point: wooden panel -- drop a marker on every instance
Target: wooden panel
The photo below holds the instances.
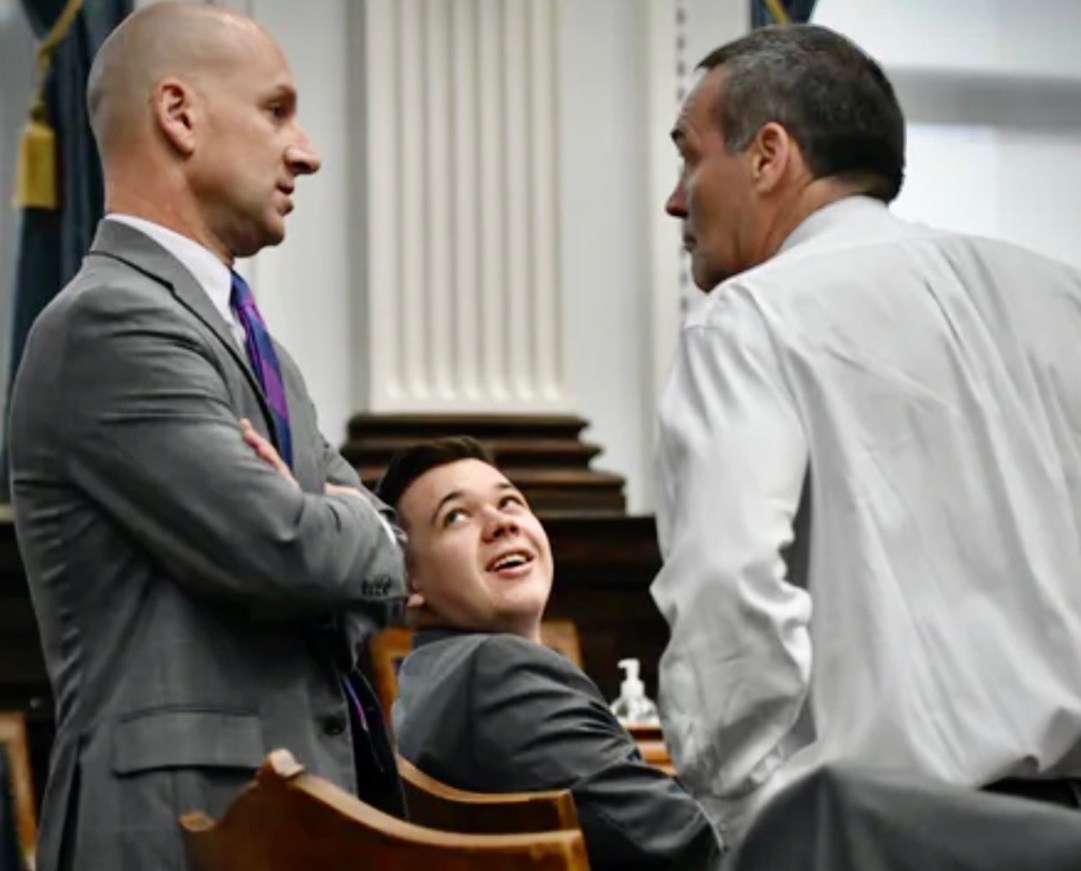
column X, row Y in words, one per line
column 542, row 454
column 14, row 746
column 24, row 683
column 650, row 741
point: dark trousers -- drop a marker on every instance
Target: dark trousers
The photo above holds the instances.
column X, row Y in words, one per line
column 1063, row 791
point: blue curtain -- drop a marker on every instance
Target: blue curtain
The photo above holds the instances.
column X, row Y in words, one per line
column 52, row 242
column 765, row 12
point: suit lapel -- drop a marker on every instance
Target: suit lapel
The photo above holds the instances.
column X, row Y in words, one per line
column 126, row 244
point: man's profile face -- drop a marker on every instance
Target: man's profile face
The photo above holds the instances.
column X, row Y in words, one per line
column 251, row 147
column 476, row 551
column 714, row 195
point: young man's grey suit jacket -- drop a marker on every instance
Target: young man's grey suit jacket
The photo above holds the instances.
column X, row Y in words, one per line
column 499, row 713
column 196, row 610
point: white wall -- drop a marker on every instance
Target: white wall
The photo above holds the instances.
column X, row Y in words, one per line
column 602, row 196
column 614, row 148
column 992, row 93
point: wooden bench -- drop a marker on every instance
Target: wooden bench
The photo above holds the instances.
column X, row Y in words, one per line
column 287, row 820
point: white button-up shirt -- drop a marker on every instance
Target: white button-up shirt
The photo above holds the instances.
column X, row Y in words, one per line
column 870, row 514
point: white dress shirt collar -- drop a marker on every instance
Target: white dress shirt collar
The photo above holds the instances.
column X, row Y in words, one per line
column 213, row 276
column 839, row 215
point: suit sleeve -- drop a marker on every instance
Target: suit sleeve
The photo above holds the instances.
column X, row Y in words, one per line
column 338, row 471
column 153, row 439
column 540, row 724
column 732, row 462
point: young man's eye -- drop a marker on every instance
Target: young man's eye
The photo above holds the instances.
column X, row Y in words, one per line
column 512, row 500
column 453, row 516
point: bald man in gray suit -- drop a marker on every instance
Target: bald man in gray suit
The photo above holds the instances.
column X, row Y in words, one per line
column 196, row 609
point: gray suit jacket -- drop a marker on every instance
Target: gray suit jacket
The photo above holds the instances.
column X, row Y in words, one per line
column 195, row 609
column 499, row 713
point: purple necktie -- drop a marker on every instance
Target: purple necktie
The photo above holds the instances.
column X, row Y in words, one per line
column 355, row 701
column 264, row 361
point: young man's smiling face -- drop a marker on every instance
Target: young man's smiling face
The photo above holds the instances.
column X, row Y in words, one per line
column 476, row 552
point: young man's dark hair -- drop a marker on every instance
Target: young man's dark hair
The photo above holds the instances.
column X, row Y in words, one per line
column 409, row 464
column 832, row 98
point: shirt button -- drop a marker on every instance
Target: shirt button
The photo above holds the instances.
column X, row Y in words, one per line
column 334, row 724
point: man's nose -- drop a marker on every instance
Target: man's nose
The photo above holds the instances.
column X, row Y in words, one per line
column 302, row 156
column 677, row 202
column 498, row 524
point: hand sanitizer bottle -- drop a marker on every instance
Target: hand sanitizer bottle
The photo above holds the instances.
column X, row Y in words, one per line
column 632, row 706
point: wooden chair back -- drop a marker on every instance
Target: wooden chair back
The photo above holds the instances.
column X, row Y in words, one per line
column 386, row 651
column 436, row 805
column 389, row 647
column 562, row 637
column 287, row 820
column 14, row 747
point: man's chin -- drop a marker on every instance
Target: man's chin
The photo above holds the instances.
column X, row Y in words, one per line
column 274, row 232
column 707, row 276
column 707, row 282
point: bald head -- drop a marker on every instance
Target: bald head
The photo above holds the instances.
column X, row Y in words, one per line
column 183, row 40
column 194, row 108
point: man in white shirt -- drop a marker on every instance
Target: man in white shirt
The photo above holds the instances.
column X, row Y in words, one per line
column 869, row 461
column 196, row 609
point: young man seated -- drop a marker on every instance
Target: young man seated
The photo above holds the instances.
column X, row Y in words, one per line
column 482, row 704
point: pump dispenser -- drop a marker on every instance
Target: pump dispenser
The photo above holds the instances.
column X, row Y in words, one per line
column 632, row 706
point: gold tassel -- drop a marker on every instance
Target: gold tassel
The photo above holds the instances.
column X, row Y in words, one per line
column 35, row 172
column 777, row 12
column 35, row 175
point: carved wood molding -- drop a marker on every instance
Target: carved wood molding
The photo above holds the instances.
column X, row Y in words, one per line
column 542, row 454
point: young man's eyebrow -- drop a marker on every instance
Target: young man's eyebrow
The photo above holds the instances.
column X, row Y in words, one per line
column 452, row 495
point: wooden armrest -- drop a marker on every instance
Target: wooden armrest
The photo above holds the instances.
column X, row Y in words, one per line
column 435, row 804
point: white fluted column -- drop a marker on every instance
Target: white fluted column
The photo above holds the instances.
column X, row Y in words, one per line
column 455, row 211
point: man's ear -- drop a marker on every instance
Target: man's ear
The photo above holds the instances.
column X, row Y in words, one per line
column 415, row 595
column 175, row 113
column 771, row 154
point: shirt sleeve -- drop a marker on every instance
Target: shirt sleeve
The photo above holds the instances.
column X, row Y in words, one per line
column 732, row 461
